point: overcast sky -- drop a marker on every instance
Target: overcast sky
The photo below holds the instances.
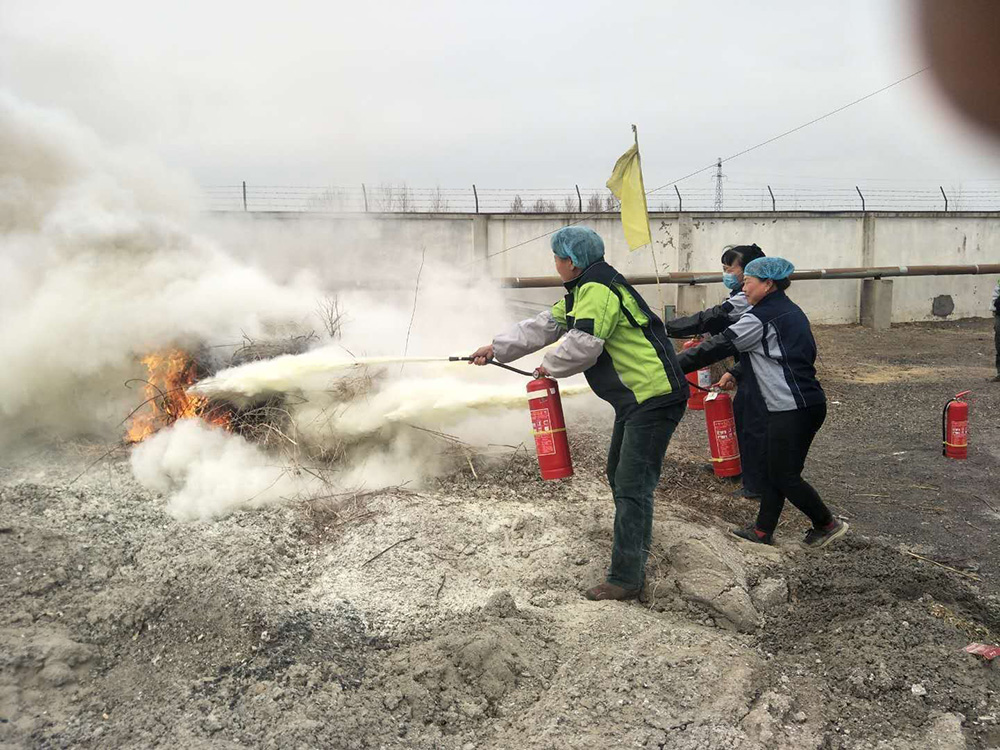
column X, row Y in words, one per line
column 512, row 94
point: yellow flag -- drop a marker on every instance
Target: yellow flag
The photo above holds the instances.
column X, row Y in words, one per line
column 626, row 183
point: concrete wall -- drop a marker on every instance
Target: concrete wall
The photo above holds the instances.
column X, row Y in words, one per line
column 961, row 239
column 519, row 246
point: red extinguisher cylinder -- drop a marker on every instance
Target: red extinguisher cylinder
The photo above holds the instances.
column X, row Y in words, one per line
column 722, row 441
column 549, row 426
column 955, row 427
column 702, row 378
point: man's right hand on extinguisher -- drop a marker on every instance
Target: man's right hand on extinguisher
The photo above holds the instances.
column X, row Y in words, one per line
column 482, row 356
column 727, row 382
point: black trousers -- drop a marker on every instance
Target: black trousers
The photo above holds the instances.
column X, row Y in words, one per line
column 789, row 436
column 751, row 433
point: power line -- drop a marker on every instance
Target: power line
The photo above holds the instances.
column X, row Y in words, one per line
column 730, row 158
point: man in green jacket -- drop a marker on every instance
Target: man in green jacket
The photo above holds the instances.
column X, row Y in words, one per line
column 609, row 333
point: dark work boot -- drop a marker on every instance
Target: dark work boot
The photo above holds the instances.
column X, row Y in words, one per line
column 608, row 591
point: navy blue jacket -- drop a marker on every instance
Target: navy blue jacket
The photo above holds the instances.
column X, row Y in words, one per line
column 780, row 348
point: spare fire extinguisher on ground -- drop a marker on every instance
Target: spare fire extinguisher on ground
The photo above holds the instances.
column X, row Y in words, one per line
column 722, row 442
column 547, row 423
column 700, row 381
column 955, row 427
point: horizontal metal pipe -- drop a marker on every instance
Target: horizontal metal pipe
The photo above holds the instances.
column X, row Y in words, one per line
column 697, row 277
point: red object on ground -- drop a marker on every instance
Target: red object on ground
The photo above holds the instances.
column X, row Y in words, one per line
column 983, row 650
column 722, row 442
column 955, row 427
column 702, row 377
column 551, row 442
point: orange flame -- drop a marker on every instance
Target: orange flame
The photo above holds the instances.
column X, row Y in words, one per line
column 170, row 373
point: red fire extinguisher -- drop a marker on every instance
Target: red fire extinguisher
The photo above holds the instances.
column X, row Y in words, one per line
column 955, row 427
column 722, row 442
column 551, row 443
column 701, row 379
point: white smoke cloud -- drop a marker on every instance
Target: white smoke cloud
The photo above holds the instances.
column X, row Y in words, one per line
column 99, row 267
column 104, row 258
column 206, row 472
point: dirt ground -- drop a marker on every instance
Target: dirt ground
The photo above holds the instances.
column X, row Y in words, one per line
column 453, row 617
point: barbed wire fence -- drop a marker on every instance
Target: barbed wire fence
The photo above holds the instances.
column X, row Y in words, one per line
column 984, row 195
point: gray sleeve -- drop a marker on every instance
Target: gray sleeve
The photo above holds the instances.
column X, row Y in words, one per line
column 578, row 351
column 746, row 333
column 526, row 337
column 740, row 305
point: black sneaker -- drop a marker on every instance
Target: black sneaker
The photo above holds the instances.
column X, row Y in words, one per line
column 751, row 534
column 818, row 538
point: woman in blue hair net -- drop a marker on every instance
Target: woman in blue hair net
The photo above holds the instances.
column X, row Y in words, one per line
column 779, row 354
column 607, row 331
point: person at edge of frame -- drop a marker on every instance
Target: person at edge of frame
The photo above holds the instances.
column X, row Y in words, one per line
column 780, row 355
column 996, row 328
column 607, row 331
column 748, row 407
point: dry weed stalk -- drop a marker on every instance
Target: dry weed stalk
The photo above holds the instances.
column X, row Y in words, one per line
column 332, row 316
column 253, row 351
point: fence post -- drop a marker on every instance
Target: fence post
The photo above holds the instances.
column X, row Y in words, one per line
column 862, row 198
column 364, row 194
column 774, row 206
column 579, row 197
column 244, row 195
column 476, row 196
column 680, row 201
column 945, row 196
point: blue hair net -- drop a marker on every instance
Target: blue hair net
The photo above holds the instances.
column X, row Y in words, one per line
column 581, row 245
column 769, row 268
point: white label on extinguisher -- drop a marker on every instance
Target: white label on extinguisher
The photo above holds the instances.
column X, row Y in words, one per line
column 725, row 439
column 958, row 434
column 704, row 378
column 545, row 443
column 545, row 393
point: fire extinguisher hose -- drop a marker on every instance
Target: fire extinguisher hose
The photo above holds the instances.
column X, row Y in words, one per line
column 498, row 364
column 531, row 374
column 944, row 427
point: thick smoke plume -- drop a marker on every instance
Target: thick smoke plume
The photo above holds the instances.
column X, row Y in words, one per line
column 105, row 257
column 98, row 267
column 206, row 472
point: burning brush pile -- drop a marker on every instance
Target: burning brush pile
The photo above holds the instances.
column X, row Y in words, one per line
column 169, row 375
column 279, row 420
column 169, row 393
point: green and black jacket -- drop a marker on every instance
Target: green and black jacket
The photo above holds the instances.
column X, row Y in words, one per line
column 610, row 334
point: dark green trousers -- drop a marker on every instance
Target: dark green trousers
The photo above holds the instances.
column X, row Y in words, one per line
column 634, row 462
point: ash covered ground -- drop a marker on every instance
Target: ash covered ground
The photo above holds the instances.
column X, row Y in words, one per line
column 452, row 617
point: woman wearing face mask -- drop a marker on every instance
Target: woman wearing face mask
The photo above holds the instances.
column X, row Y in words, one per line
column 751, row 418
column 779, row 355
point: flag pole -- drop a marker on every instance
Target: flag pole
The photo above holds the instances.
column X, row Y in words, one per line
column 652, row 251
